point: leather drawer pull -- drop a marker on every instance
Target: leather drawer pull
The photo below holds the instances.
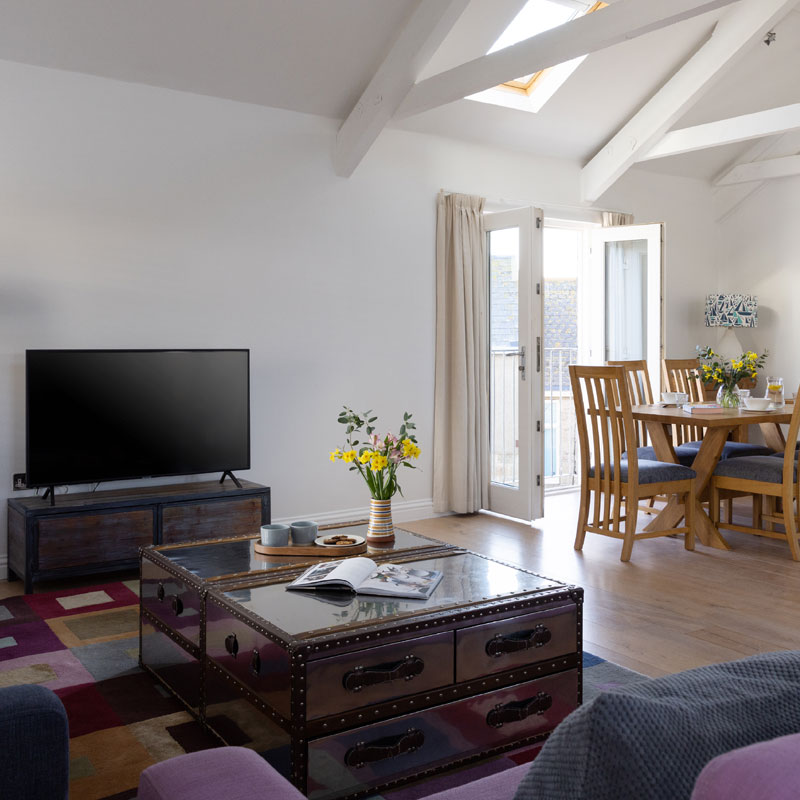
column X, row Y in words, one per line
column 232, row 644
column 514, row 642
column 160, row 592
column 255, row 662
column 518, row 710
column 407, row 669
column 177, row 605
column 381, row 749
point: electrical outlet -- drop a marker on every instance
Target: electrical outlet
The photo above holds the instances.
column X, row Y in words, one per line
column 19, row 481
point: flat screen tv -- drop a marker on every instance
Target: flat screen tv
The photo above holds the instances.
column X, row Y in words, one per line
column 104, row 415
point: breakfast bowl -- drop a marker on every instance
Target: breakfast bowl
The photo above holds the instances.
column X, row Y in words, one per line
column 757, row 403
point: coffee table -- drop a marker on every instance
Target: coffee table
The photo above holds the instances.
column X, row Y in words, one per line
column 351, row 694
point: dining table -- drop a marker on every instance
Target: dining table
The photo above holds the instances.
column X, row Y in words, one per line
column 719, row 426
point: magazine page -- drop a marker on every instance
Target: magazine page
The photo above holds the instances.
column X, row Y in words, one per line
column 400, row 581
column 347, row 574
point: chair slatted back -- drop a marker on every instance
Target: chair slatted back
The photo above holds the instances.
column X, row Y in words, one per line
column 790, row 453
column 680, row 375
column 605, row 432
column 640, row 391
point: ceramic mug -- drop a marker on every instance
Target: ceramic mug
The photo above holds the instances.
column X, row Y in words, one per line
column 275, row 535
column 304, row 531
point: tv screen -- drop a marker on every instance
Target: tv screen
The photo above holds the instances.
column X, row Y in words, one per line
column 101, row 415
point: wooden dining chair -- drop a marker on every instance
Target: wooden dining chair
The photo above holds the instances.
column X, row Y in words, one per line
column 774, row 476
column 611, row 481
column 680, row 375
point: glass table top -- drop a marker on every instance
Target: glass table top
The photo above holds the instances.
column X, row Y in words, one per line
column 467, row 578
column 224, row 558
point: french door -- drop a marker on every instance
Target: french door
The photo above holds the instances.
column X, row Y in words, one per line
column 514, row 252
column 622, row 300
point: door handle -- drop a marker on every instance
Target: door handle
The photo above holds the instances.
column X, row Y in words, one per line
column 521, row 366
column 538, row 353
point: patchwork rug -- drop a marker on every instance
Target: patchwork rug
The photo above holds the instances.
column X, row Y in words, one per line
column 83, row 644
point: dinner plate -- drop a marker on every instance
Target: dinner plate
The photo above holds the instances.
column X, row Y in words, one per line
column 322, row 543
column 759, row 411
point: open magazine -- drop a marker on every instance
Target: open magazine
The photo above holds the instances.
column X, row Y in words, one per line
column 364, row 576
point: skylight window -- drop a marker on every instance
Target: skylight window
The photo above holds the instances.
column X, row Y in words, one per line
column 531, row 92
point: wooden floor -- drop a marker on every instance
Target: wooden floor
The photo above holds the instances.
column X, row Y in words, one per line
column 666, row 610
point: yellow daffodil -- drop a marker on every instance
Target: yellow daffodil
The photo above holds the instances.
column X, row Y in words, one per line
column 348, row 456
column 337, row 453
column 378, row 462
column 365, row 456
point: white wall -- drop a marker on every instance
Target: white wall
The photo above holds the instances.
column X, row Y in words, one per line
column 759, row 254
column 138, row 217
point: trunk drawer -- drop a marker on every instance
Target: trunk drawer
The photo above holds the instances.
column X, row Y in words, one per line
column 172, row 601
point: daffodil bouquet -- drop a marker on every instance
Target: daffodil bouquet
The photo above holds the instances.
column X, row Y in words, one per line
column 377, row 458
column 717, row 370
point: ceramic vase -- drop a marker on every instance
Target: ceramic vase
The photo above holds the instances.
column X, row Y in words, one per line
column 380, row 530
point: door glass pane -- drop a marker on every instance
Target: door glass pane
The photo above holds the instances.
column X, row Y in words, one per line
column 626, row 300
column 503, row 247
column 562, row 256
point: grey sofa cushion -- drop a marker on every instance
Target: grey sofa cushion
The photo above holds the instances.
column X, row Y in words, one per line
column 650, row 740
column 652, row 472
column 753, row 468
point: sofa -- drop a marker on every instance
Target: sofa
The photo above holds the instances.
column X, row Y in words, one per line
column 34, row 744
column 723, row 732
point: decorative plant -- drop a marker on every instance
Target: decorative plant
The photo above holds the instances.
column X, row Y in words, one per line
column 377, row 458
column 717, row 370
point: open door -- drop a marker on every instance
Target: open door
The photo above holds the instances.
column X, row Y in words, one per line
column 514, row 251
column 623, row 305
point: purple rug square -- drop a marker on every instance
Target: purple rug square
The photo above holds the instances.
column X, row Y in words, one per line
column 13, row 611
column 28, row 639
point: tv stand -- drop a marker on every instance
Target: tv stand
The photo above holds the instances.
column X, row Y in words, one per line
column 229, row 474
column 94, row 532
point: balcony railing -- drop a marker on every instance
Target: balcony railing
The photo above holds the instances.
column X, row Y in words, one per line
column 504, row 416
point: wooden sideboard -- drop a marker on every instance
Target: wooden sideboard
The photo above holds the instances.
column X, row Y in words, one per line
column 102, row 531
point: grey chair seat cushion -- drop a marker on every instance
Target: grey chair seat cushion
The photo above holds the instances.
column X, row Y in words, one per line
column 767, row 469
column 685, row 455
column 650, row 740
column 734, row 449
column 652, row 472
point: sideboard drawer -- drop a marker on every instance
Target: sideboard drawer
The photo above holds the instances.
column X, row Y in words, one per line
column 68, row 541
column 211, row 520
column 171, row 601
column 509, row 643
column 365, row 677
column 375, row 754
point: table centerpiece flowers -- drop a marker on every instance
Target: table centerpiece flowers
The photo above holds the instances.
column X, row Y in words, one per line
column 719, row 371
column 377, row 459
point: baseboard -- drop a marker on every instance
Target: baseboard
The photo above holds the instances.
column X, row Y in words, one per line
column 3, row 568
column 402, row 511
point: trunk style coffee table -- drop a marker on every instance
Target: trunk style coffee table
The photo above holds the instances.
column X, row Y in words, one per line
column 350, row 694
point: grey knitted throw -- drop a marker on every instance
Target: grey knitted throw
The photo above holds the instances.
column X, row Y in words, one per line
column 650, row 740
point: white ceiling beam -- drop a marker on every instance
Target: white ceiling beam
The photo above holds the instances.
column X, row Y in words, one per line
column 726, row 131
column 727, row 198
column 763, row 170
column 738, row 29
column 625, row 19
column 417, row 42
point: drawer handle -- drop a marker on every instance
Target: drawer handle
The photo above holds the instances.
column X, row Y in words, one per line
column 177, row 605
column 407, row 669
column 255, row 662
column 232, row 644
column 387, row 747
column 518, row 710
column 505, row 643
column 160, row 592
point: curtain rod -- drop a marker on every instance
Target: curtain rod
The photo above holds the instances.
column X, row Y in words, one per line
column 555, row 206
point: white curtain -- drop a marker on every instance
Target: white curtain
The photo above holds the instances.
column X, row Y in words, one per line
column 613, row 218
column 461, row 399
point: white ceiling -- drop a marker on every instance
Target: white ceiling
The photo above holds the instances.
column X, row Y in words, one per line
column 317, row 56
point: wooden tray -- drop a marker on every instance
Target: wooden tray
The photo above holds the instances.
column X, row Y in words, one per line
column 310, row 550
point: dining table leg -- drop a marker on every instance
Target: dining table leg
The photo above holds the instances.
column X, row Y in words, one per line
column 704, row 464
column 773, row 436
